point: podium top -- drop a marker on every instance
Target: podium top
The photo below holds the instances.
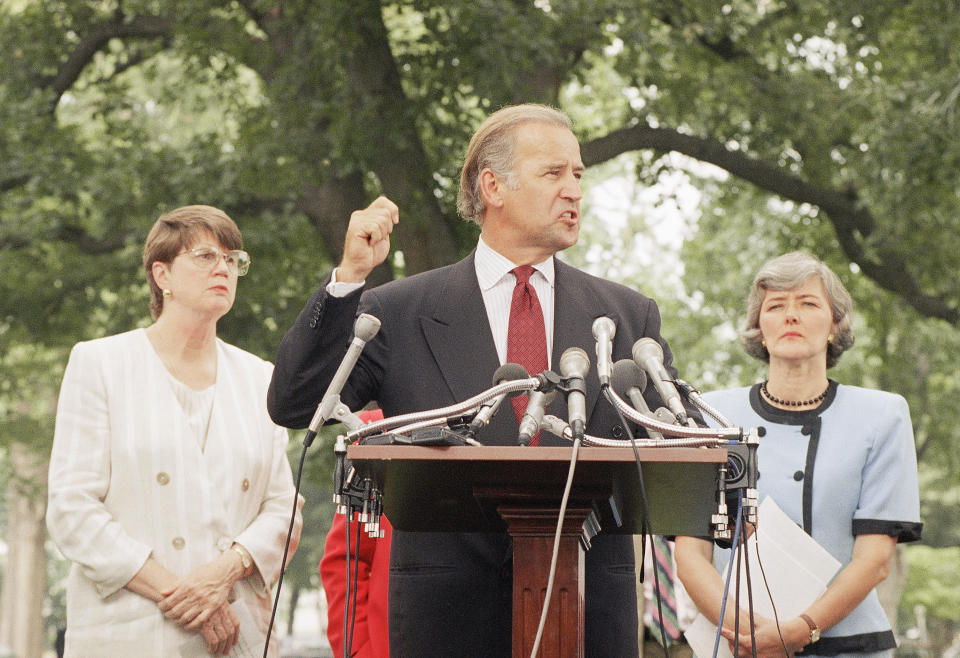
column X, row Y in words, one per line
column 447, row 488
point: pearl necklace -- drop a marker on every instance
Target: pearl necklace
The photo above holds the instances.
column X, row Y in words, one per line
column 791, row 403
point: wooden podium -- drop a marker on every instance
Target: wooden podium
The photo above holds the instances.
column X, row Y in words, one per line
column 518, row 490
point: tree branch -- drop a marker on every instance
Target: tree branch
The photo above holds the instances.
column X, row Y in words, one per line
column 852, row 221
column 96, row 38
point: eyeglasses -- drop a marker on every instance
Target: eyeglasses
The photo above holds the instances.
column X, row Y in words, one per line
column 237, row 260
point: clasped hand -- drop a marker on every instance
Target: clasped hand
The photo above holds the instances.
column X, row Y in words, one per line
column 199, row 602
column 767, row 636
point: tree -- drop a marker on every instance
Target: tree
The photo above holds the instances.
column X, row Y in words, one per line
column 831, row 123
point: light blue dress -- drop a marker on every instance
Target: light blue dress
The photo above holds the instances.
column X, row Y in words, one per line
column 847, row 468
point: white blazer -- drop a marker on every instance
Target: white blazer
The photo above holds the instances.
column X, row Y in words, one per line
column 127, row 481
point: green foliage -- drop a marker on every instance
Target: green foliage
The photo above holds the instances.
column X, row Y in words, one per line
column 829, row 126
column 933, row 581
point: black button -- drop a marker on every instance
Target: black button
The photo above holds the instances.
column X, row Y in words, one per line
column 617, row 431
column 806, row 431
column 761, row 431
column 313, row 324
column 798, row 476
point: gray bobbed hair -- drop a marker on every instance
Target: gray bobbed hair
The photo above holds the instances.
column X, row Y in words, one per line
column 787, row 272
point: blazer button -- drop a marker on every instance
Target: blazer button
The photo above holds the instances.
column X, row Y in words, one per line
column 163, row 478
column 178, row 543
column 245, row 484
column 798, row 476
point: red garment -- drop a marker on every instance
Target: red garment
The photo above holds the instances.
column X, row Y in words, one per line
column 370, row 635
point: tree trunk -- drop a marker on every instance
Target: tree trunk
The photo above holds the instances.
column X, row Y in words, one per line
column 24, row 577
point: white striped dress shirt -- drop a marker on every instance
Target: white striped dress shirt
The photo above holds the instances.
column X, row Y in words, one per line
column 497, row 284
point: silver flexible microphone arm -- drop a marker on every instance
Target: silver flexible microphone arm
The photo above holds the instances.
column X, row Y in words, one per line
column 721, row 435
column 692, row 394
column 471, row 404
column 562, row 429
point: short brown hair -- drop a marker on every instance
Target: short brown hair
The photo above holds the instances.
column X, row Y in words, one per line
column 177, row 230
column 785, row 273
column 492, row 146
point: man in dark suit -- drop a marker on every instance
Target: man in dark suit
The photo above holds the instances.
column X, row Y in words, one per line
column 443, row 334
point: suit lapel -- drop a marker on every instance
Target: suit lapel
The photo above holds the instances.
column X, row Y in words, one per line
column 575, row 309
column 458, row 333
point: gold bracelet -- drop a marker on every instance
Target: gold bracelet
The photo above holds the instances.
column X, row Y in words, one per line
column 244, row 558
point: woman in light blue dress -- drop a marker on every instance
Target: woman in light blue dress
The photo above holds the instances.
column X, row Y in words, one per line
column 839, row 460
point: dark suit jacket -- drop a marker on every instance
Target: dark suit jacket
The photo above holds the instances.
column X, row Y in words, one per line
column 450, row 594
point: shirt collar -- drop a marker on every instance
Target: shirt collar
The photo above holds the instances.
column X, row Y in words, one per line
column 492, row 266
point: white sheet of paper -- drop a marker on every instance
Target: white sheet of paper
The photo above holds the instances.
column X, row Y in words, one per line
column 249, row 644
column 797, row 570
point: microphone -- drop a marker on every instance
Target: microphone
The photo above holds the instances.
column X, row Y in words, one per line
column 364, row 328
column 603, row 332
column 504, row 373
column 648, row 354
column 629, row 380
column 533, row 415
column 574, row 365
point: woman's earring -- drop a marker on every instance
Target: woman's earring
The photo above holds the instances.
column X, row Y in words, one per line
column 764, row 343
column 830, row 338
column 167, row 293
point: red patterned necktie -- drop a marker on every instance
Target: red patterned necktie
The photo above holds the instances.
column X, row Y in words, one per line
column 526, row 336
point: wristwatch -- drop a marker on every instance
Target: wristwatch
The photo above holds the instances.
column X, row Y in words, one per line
column 814, row 629
column 245, row 560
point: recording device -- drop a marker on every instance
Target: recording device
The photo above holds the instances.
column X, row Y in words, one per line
column 574, row 365
column 648, row 354
column 603, row 332
column 533, row 415
column 364, row 329
column 504, row 373
column 628, row 380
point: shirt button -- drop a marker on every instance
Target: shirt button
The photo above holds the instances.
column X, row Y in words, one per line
column 224, row 543
column 163, row 478
column 179, row 543
column 245, row 484
column 798, row 476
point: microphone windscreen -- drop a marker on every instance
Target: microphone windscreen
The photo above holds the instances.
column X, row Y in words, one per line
column 604, row 326
column 625, row 375
column 366, row 326
column 509, row 371
column 647, row 348
column 574, row 362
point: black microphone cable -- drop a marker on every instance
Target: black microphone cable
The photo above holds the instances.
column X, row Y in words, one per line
column 734, row 552
column 647, row 525
column 773, row 605
column 352, row 585
column 286, row 549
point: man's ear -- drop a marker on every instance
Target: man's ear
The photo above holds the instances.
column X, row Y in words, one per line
column 490, row 188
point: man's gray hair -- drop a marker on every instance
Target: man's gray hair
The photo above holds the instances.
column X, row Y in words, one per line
column 492, row 147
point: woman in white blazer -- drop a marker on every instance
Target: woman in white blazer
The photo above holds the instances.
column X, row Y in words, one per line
column 170, row 489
